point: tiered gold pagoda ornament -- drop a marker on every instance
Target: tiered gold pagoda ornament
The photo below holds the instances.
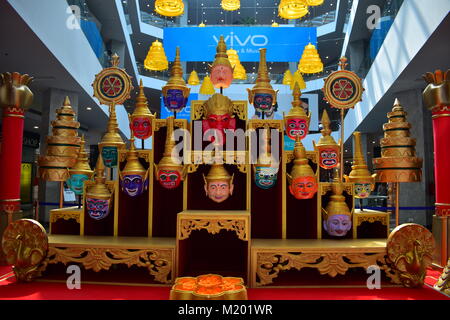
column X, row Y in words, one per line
column 314, row 2
column 297, row 77
column 360, row 175
column 327, row 147
column 342, row 90
column 230, row 5
column 207, row 87
column 80, row 172
column 98, row 195
column 398, row 162
column 262, row 95
column 62, row 146
column 133, row 177
column 193, row 78
column 156, row 59
column 112, row 86
column 287, row 77
column 292, row 9
column 141, row 119
column 337, row 217
column 169, row 8
column 302, row 180
column 297, row 121
column 169, row 172
column 221, row 69
column 176, row 92
column 238, row 68
column 310, row 61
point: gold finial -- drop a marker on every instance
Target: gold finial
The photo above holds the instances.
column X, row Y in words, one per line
column 262, row 83
column 112, row 136
column 176, row 80
column 99, row 190
column 359, row 172
column 168, row 157
column 343, row 63
column 301, row 166
column 221, row 57
column 266, row 159
column 141, row 109
column 326, row 139
column 115, row 60
column 82, row 164
column 66, row 102
column 133, row 165
column 297, row 110
column 296, row 93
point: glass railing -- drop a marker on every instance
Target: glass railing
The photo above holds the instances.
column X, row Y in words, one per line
column 88, row 24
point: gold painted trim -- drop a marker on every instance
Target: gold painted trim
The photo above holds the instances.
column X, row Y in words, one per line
column 442, row 204
column 10, row 200
column 13, row 115
column 440, row 115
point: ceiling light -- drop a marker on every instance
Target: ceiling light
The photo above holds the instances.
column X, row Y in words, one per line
column 88, row 108
column 36, row 127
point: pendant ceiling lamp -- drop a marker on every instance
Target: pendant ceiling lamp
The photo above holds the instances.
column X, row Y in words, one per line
column 310, row 61
column 239, row 70
column 169, row 8
column 314, row 2
column 292, row 9
column 193, row 79
column 230, row 5
column 207, row 86
column 297, row 78
column 156, row 58
column 287, row 78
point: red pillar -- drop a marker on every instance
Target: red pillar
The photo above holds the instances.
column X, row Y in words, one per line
column 436, row 98
column 15, row 96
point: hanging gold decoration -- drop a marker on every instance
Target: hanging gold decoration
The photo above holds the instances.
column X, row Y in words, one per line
column 310, row 61
column 238, row 69
column 287, row 78
column 297, row 77
column 207, row 87
column 230, row 5
column 314, row 2
column 275, row 24
column 156, row 58
column 193, row 79
column 169, row 8
column 201, row 25
column 292, row 9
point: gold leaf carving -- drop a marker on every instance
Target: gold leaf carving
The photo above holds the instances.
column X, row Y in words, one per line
column 213, row 226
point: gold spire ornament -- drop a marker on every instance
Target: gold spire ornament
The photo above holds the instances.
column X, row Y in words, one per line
column 238, row 68
column 193, row 78
column 302, row 180
column 175, row 92
column 287, row 78
column 310, row 61
column 170, row 171
column 63, row 145
column 141, row 119
column 314, row 2
column 230, row 5
column 156, row 59
column 169, row 8
column 336, row 216
column 266, row 167
column 207, row 87
column 262, row 95
column 275, row 24
column 360, row 175
column 327, row 147
column 80, row 172
column 297, row 121
column 398, row 162
column 111, row 140
column 221, row 69
column 297, row 78
column 98, row 195
column 292, row 9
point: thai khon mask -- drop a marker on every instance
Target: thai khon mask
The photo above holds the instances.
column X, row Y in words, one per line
column 98, row 196
column 109, row 155
column 327, row 147
column 175, row 92
column 141, row 119
column 219, row 117
column 76, row 181
column 221, row 70
column 297, row 121
column 218, row 184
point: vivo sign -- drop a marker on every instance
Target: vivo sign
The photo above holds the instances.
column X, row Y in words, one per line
column 284, row 44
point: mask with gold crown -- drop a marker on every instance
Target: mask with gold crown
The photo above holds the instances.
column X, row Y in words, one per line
column 133, row 177
column 266, row 167
column 327, row 147
column 175, row 92
column 141, row 119
column 218, row 183
column 98, row 196
column 111, row 141
column 262, row 95
column 219, row 117
column 170, row 171
column 360, row 175
column 297, row 121
column 80, row 172
column 221, row 70
column 337, row 217
column 302, row 180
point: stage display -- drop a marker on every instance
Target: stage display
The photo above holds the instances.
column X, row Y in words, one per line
column 211, row 210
